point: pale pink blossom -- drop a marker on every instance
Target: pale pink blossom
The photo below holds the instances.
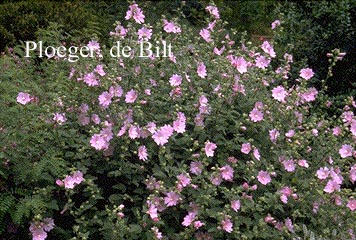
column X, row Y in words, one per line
column 262, row 62
column 279, row 93
column 290, row 133
column 256, row 115
column 227, row 173
column 198, row 224
column 188, row 219
column 105, row 99
column 98, row 142
column 171, row 199
column 264, row 177
column 240, row 64
column 162, row 135
column 183, row 180
column 256, row 154
column 303, row 163
column 179, row 123
column 352, row 176
column 136, row 13
column 196, row 168
column 59, row 118
column 142, row 153
column 351, row 204
column 289, row 165
column 116, row 91
column 175, row 80
column 205, row 34
column 213, row 11
column 131, row 96
column 323, row 173
column 275, row 24
column 235, row 205
column 23, row 98
column 346, row 151
column 306, row 73
column 288, row 223
column 210, row 148
column 227, row 224
column 201, row 70
column 268, row 48
column 144, row 34
column 331, row 186
column 273, row 135
column 170, row 27
column 99, row 69
column 134, row 132
column 77, row 177
column 91, row 80
column 246, row 148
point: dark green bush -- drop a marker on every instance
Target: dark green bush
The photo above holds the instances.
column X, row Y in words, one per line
column 315, row 28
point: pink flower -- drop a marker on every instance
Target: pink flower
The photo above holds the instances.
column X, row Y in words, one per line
column 262, row 62
column 346, row 151
column 198, row 224
column 144, row 33
column 213, row 11
column 289, row 165
column 227, row 225
column 210, row 148
column 290, row 133
column 162, row 135
column 205, row 34
column 309, row 95
column 131, row 96
column 303, row 163
column 256, row 115
column 227, row 173
column 95, row 118
column 170, row 27
column 288, row 223
column 267, row 48
column 77, row 177
column 188, row 219
column 23, row 98
column 171, row 199
column 179, row 124
column 201, row 70
column 275, row 24
column 175, row 80
column 240, row 64
column 331, row 186
column 91, row 80
column 69, row 182
column 157, row 233
column 219, row 52
column 273, row 135
column 351, row 204
column 60, row 118
column 264, row 177
column 105, row 99
column 235, row 205
column 116, row 91
column 142, row 153
column 93, row 45
column 39, row 234
column 98, row 142
column 135, row 12
column 306, row 73
column 196, row 168
column 246, row 148
column 336, row 131
column 152, row 211
column 183, row 180
column 134, row 132
column 256, row 154
column 99, row 69
column 279, row 93
column 323, row 173
column 353, row 127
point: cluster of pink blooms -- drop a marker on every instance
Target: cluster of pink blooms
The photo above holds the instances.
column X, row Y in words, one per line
column 39, row 230
column 279, row 225
column 70, row 181
column 170, row 27
column 136, row 13
column 334, row 177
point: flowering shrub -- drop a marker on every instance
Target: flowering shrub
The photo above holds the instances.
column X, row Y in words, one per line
column 208, row 143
